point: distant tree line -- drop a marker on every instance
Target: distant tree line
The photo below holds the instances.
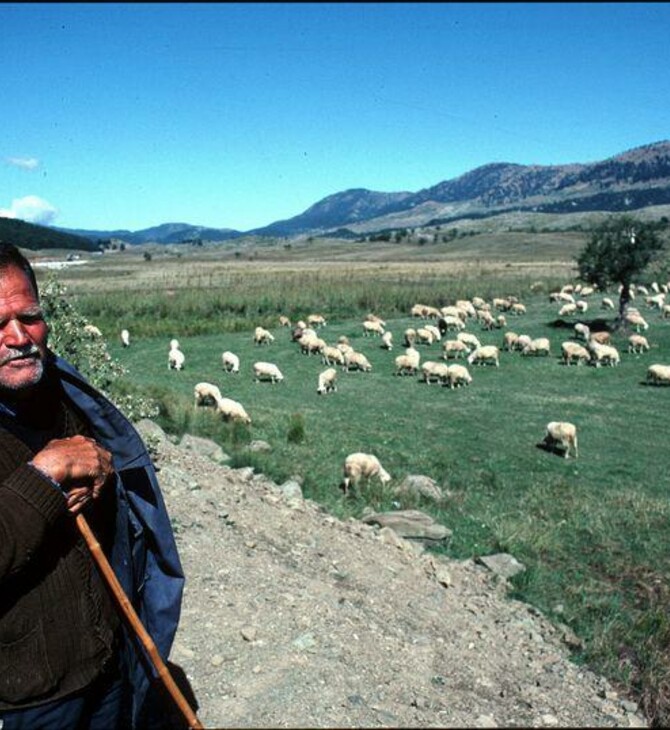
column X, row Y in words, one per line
column 34, row 237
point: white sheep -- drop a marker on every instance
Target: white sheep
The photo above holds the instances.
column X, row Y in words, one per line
column 387, row 340
column 310, row 343
column 357, row 361
column 435, row 331
column 451, row 322
column 174, row 344
column 371, row 328
column 125, row 338
column 509, row 341
column 232, row 410
column 518, row 309
column 636, row 320
column 454, row 348
column 262, row 336
column 607, row 303
column 408, row 363
column 658, row 375
column 581, row 305
column 434, row 372
column 316, row 320
column 231, row 362
column 574, row 351
column 567, row 309
column 327, row 381
column 564, row 434
column 486, row 319
column 176, row 359
column 665, row 312
column 458, row 376
column 472, row 341
column 424, row 336
column 410, row 337
column 92, row 330
column 284, row 321
column 583, row 330
column 538, row 346
column 603, row 354
column 602, row 338
column 360, row 466
column 374, row 318
column 206, row 394
column 332, row 356
column 637, row 344
column 521, row 342
column 267, row 371
column 485, row 354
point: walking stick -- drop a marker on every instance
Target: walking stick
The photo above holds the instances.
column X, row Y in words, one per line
column 130, row 613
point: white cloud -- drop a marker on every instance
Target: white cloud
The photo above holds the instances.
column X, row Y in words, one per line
column 25, row 163
column 31, row 209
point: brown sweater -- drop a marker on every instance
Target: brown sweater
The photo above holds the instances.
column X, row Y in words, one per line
column 58, row 625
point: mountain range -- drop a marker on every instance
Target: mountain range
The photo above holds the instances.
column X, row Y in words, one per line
column 635, row 179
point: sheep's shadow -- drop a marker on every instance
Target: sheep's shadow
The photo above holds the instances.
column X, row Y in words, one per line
column 552, row 448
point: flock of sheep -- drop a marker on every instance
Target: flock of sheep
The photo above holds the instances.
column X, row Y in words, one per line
column 446, row 325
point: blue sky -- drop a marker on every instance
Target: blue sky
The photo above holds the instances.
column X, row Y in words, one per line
column 236, row 115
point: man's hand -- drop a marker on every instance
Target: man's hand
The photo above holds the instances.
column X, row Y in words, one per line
column 79, row 465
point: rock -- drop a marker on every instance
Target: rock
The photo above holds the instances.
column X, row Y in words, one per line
column 150, row 431
column 204, row 447
column 291, row 490
column 422, row 486
column 411, row 524
column 259, row 445
column 502, row 564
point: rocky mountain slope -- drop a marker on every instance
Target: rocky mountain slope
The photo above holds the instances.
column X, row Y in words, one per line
column 293, row 618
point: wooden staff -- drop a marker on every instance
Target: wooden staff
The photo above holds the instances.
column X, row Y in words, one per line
column 130, row 613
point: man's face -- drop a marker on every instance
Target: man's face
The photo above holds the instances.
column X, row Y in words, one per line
column 23, row 333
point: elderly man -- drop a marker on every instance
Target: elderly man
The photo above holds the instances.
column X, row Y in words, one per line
column 66, row 658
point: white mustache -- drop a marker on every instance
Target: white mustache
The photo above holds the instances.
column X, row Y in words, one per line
column 19, row 353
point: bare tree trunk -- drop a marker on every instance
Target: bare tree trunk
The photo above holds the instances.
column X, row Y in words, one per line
column 624, row 300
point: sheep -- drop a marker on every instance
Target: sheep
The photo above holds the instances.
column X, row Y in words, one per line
column 344, row 348
column 603, row 354
column 486, row 320
column 176, row 358
column 327, row 382
column 665, row 312
column 501, row 321
column 174, row 344
column 637, row 344
column 458, row 376
column 538, row 346
column 574, row 351
column 311, row 343
column 467, row 307
column 372, row 328
column 567, row 309
column 607, row 303
column 501, row 304
column 387, row 340
column 206, row 394
column 586, row 291
column 419, row 310
column 602, row 338
column 454, row 311
column 408, row 364
column 434, row 371
column 450, row 322
column 92, row 330
column 472, row 341
column 284, row 321
column 424, row 336
column 454, row 348
column 518, row 309
column 409, row 337
column 357, row 361
column 564, row 434
column 485, row 354
column 232, row 410
column 437, row 335
column 262, row 336
column 581, row 305
column 636, row 320
column 658, row 375
column 522, row 341
column 316, row 320
column 230, row 362
column 125, row 338
column 267, row 371
column 370, row 317
column 583, row 330
column 509, row 340
column 332, row 356
column 360, row 466
column 658, row 300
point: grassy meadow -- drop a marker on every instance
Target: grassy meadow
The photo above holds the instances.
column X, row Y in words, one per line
column 592, row 532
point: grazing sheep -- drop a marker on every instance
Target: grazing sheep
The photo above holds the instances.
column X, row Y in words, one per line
column 344, row 348
column 458, row 376
column 501, row 304
column 424, row 337
column 408, row 364
column 310, row 343
column 262, row 336
column 437, row 335
column 485, row 354
column 581, row 305
column 658, row 300
column 665, row 312
column 636, row 320
column 486, row 319
column 574, row 351
column 357, row 361
column 316, row 320
column 538, row 346
column 518, row 309
column 231, row 362
column 602, row 338
column 206, row 394
column 509, row 340
column 125, row 338
column 387, row 340
column 583, row 330
column 603, row 354
column 472, row 341
column 454, row 348
column 658, row 375
column 232, row 410
column 450, row 322
column 586, row 291
column 176, row 358
column 567, row 309
column 419, row 310
column 92, row 330
column 501, row 321
column 467, row 307
column 267, row 371
column 455, row 311
column 409, row 337
column 370, row 317
column 372, row 328
column 360, row 466
column 563, row 434
column 637, row 344
column 327, row 382
column 332, row 356
column 434, row 372
column 284, row 321
column 607, row 303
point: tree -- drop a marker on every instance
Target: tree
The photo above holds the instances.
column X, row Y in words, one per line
column 618, row 252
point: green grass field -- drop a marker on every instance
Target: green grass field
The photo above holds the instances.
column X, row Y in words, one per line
column 592, row 532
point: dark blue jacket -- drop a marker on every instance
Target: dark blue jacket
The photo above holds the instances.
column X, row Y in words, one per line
column 144, row 556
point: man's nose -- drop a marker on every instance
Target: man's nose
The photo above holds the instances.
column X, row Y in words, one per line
column 14, row 333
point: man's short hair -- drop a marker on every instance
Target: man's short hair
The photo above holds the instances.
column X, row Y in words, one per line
column 11, row 256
